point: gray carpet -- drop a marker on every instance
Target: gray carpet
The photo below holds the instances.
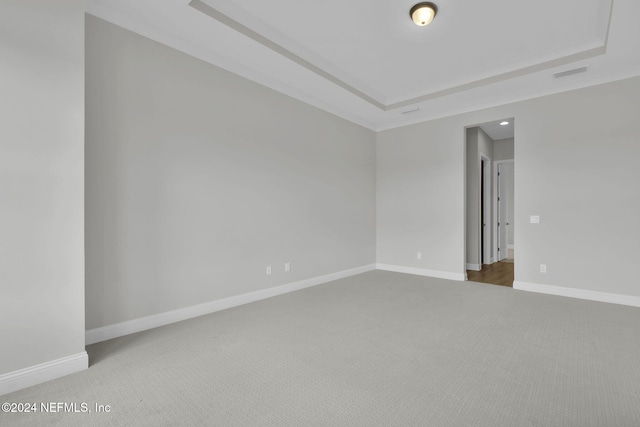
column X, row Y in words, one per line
column 377, row 349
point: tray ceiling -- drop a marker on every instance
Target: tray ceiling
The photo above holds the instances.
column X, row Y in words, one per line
column 367, row 61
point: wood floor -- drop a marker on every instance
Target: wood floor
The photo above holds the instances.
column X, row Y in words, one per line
column 498, row 273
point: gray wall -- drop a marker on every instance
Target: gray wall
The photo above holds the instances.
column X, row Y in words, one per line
column 472, row 175
column 485, row 147
column 510, row 167
column 420, row 181
column 41, row 181
column 576, row 153
column 503, row 149
column 198, row 179
column 485, row 144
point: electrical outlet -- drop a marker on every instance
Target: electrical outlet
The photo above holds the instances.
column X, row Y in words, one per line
column 534, row 219
column 419, row 255
column 543, row 268
column 287, row 267
column 268, row 270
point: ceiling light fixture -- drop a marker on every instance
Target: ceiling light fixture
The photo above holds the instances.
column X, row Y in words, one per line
column 504, row 123
column 423, row 13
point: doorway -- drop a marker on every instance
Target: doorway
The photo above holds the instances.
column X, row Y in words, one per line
column 485, row 213
column 504, row 188
column 489, row 202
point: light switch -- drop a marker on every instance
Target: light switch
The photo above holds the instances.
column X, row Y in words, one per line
column 534, row 219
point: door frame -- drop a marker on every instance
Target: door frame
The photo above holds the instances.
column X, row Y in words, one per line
column 486, row 231
column 495, row 207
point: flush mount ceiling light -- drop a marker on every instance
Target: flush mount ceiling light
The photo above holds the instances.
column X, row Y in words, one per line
column 423, row 13
column 504, row 123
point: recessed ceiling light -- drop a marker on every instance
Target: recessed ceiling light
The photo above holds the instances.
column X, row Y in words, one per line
column 504, row 123
column 423, row 13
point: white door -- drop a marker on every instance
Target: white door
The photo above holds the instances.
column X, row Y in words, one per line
column 503, row 212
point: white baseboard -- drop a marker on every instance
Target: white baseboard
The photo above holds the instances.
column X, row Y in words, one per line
column 422, row 272
column 47, row 371
column 578, row 293
column 474, row 267
column 116, row 330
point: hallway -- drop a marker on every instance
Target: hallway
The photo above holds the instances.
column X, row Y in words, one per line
column 498, row 273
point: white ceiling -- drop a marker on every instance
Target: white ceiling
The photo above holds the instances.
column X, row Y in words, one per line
column 496, row 131
column 368, row 62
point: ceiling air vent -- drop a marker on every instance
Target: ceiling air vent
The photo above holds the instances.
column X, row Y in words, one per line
column 570, row 72
column 411, row 111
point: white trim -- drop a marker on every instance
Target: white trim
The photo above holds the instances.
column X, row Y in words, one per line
column 422, row 272
column 485, row 236
column 511, row 247
column 496, row 243
column 474, row 267
column 116, row 330
column 578, row 293
column 47, row 371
